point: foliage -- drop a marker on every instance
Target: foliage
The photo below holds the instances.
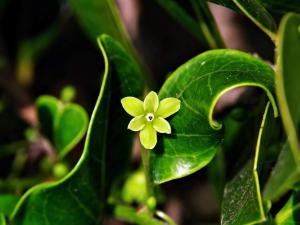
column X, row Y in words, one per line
column 257, row 178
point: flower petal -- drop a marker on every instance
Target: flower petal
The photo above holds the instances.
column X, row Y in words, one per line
column 167, row 107
column 137, row 123
column 133, row 106
column 151, row 102
column 161, row 125
column 148, row 137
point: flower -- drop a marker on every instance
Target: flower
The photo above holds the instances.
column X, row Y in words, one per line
column 149, row 116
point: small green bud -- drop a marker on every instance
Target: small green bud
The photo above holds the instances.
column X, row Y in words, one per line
column 60, row 170
column 151, row 203
column 68, row 93
column 31, row 134
column 134, row 189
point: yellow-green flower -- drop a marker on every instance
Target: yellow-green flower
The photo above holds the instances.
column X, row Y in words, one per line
column 149, row 116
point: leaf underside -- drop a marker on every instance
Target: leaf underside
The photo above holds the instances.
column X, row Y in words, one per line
column 242, row 201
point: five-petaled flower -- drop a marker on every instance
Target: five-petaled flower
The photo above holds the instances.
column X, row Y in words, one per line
column 149, row 116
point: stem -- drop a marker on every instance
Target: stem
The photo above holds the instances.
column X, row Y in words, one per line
column 146, row 161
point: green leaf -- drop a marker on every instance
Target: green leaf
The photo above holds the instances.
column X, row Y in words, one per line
column 201, row 24
column 2, row 219
column 63, row 124
column 272, row 5
column 30, row 51
column 259, row 15
column 130, row 214
column 199, row 84
column 282, row 6
column 7, row 203
column 242, row 202
column 101, row 16
column 78, row 198
column 48, row 108
column 70, row 126
column 283, row 176
column 290, row 213
column 217, row 174
column 288, row 79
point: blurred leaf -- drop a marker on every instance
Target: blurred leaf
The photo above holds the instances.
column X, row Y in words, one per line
column 48, row 108
column 101, row 16
column 136, row 181
column 63, row 124
column 70, row 125
column 202, row 25
column 283, row 176
column 30, row 50
column 217, row 174
column 259, row 15
column 130, row 214
column 7, row 203
column 2, row 219
column 34, row 47
column 288, row 79
column 199, row 83
column 272, row 5
column 242, row 202
column 233, row 123
column 81, row 192
column 290, row 213
column 282, row 5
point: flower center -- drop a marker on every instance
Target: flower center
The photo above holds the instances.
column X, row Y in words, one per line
column 149, row 117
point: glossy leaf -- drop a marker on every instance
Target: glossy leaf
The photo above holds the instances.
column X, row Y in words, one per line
column 198, row 84
column 288, row 79
column 254, row 10
column 80, row 194
column 290, row 213
column 242, row 202
column 70, row 126
column 7, row 203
